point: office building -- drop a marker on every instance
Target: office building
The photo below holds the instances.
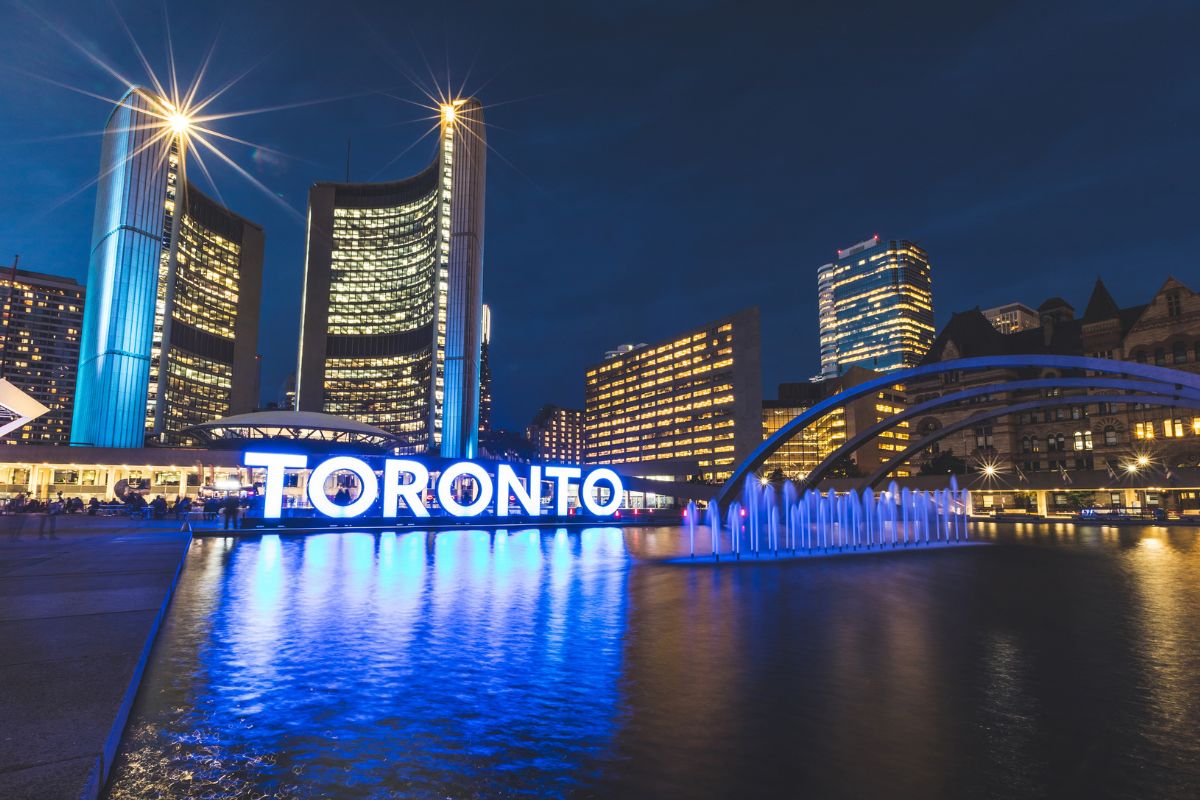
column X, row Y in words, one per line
column 557, row 433
column 39, row 348
column 796, row 458
column 1012, row 317
column 485, row 373
column 170, row 324
column 203, row 359
column 689, row 407
column 391, row 319
column 874, row 307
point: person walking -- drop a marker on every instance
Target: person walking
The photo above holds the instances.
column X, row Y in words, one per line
column 49, row 521
column 231, row 506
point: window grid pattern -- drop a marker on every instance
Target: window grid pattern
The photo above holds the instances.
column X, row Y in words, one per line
column 674, row 400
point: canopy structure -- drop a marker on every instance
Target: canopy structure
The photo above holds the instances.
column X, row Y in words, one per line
column 16, row 407
column 315, row 430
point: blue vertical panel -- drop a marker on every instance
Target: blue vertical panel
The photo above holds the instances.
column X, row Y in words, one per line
column 118, row 318
column 460, row 413
column 452, row 405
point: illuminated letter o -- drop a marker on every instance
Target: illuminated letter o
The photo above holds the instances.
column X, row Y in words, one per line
column 445, row 487
column 366, row 476
column 614, row 499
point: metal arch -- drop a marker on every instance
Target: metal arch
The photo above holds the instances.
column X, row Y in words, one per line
column 878, row 475
column 1102, row 365
column 1153, row 388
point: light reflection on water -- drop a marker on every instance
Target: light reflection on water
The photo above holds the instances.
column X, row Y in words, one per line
column 366, row 663
column 1063, row 662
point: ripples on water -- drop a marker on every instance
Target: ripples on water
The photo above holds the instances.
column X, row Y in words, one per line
column 1063, row 662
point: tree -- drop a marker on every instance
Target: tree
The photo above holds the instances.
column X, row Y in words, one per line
column 945, row 463
column 845, row 468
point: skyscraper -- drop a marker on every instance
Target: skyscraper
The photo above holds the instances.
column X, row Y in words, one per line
column 39, row 348
column 170, row 325
column 875, row 307
column 203, row 360
column 393, row 293
column 485, row 373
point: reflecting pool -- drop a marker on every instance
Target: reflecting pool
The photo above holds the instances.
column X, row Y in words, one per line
column 1062, row 661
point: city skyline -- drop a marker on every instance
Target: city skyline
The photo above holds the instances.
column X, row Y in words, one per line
column 547, row 208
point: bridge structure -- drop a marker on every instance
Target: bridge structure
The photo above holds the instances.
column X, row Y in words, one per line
column 1105, row 381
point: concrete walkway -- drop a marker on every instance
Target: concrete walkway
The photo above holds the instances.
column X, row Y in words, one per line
column 78, row 616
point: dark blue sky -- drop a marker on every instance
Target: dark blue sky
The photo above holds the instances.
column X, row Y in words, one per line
column 660, row 164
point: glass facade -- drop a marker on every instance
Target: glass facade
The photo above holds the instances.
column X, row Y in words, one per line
column 384, row 299
column 205, row 306
column 875, row 307
column 797, row 457
column 802, row 453
column 391, row 325
column 160, row 295
column 40, row 325
column 170, row 327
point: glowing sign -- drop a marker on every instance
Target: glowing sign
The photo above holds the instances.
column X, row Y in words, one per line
column 405, row 484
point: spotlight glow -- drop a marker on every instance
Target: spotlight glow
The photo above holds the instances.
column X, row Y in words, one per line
column 178, row 111
column 179, row 123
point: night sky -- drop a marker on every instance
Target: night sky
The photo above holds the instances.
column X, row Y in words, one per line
column 660, row 164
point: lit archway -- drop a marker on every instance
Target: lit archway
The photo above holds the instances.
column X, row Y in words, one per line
column 1160, row 382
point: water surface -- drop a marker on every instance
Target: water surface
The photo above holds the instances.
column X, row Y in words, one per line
column 1060, row 662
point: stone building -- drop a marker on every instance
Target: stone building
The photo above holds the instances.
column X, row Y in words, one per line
column 1105, row 439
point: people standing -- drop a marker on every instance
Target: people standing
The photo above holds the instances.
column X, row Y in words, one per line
column 231, row 506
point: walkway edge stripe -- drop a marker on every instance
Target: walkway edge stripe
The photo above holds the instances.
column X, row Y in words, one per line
column 98, row 778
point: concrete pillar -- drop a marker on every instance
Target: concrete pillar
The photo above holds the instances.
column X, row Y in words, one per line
column 1130, row 498
column 110, row 483
column 183, row 483
column 302, row 487
column 1043, row 504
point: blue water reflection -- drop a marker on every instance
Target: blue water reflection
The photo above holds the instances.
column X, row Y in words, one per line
column 415, row 657
column 1060, row 662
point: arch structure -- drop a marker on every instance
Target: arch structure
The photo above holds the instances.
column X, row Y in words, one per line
column 1111, row 381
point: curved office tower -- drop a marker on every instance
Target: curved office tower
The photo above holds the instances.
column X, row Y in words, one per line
column 127, row 241
column 203, row 362
column 393, row 293
column 168, row 265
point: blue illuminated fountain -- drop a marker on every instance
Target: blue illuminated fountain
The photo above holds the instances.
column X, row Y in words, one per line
column 805, row 524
